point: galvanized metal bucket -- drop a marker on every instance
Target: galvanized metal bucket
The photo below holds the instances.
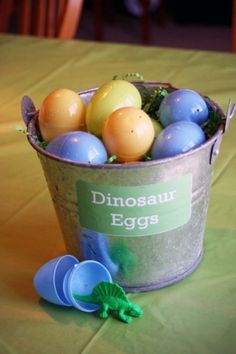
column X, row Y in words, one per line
column 144, row 221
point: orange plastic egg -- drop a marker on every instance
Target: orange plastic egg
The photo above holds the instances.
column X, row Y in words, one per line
column 128, row 133
column 62, row 111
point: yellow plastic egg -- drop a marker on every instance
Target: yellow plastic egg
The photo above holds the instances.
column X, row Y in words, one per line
column 62, row 111
column 109, row 97
column 157, row 127
column 128, row 133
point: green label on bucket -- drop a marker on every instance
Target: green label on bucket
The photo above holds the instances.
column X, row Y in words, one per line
column 135, row 210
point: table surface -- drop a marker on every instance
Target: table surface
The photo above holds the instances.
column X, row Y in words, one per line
column 197, row 314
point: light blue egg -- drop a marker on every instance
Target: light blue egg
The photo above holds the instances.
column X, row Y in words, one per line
column 176, row 139
column 183, row 104
column 78, row 146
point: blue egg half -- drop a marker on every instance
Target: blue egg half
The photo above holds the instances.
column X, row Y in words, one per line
column 78, row 146
column 183, row 104
column 176, row 139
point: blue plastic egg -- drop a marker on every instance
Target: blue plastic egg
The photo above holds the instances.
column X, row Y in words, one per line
column 183, row 104
column 78, row 146
column 176, row 139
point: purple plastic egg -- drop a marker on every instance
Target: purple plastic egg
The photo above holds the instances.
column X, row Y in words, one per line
column 176, row 139
column 78, row 146
column 183, row 104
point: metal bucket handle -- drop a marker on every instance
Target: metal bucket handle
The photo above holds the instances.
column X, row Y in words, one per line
column 28, row 110
column 229, row 115
column 216, row 147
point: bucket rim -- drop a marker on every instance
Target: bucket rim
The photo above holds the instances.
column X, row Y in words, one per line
column 136, row 164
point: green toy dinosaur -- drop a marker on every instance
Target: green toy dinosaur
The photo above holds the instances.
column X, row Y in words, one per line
column 111, row 297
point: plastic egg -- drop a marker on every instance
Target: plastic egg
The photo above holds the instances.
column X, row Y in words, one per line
column 61, row 111
column 176, row 139
column 183, row 104
column 109, row 97
column 79, row 147
column 128, row 133
column 157, row 127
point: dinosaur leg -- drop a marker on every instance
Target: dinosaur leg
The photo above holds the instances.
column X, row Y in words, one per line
column 124, row 317
column 104, row 311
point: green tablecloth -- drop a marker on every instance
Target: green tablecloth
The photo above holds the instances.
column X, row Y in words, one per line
column 196, row 315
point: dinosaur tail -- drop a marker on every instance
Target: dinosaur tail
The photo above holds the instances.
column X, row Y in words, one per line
column 84, row 298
